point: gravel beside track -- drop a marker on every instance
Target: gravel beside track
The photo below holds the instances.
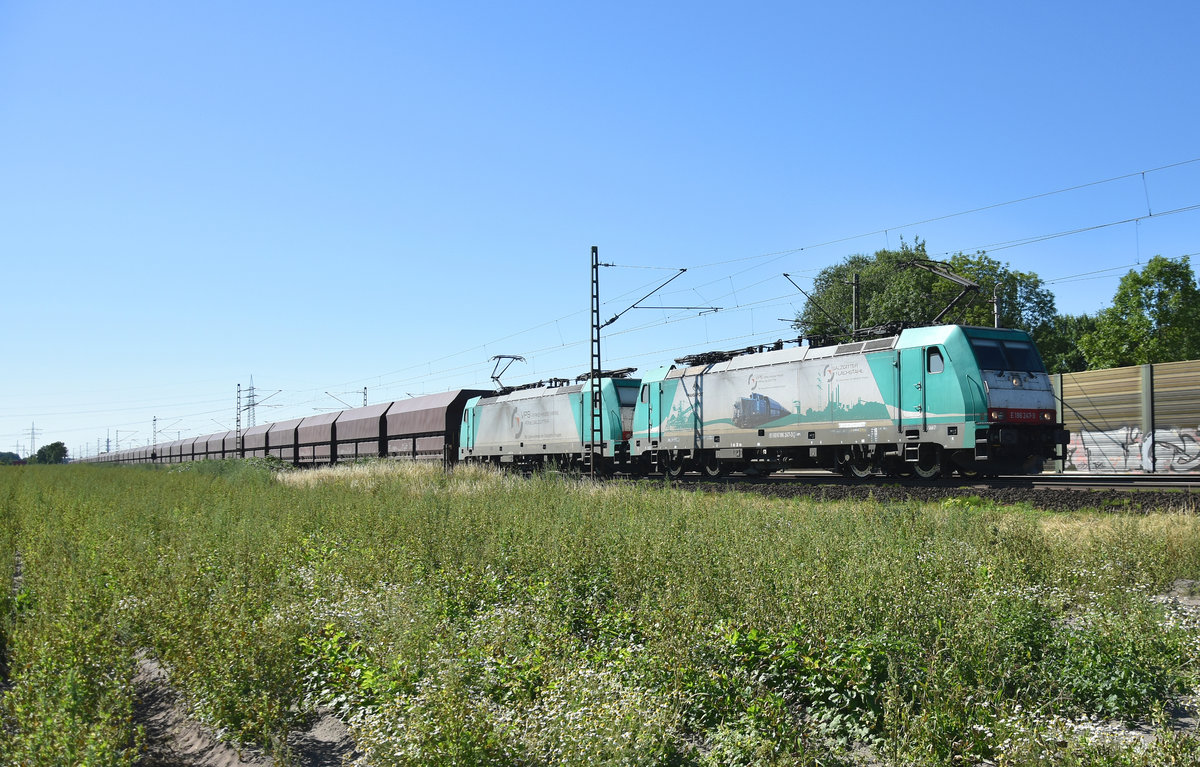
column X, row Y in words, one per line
column 1050, row 499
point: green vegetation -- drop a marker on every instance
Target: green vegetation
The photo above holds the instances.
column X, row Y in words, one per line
column 1058, row 342
column 1154, row 317
column 55, row 452
column 472, row 618
column 889, row 291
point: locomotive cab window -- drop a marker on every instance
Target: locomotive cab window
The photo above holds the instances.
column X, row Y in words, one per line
column 1022, row 356
column 627, row 395
column 933, row 361
column 1007, row 355
column 989, row 354
column 646, row 393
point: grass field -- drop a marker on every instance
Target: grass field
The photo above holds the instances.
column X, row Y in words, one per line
column 475, row 618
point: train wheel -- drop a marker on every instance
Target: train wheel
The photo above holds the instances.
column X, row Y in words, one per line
column 855, row 464
column 929, row 463
column 712, row 466
column 859, row 468
column 676, row 464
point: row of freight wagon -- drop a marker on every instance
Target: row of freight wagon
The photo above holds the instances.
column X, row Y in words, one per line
column 422, row 428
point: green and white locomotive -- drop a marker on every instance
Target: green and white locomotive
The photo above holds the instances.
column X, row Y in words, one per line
column 926, row 401
column 546, row 423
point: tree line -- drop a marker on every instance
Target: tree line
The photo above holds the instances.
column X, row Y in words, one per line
column 1154, row 315
column 55, row 452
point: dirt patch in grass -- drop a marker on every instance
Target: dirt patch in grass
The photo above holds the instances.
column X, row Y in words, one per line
column 175, row 739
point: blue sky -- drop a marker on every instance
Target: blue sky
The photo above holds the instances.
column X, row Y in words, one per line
column 333, row 196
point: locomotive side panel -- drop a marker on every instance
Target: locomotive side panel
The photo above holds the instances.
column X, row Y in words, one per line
column 525, row 424
column 790, row 404
column 535, row 425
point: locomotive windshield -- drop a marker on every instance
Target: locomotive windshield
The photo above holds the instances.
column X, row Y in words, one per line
column 627, row 395
column 1007, row 355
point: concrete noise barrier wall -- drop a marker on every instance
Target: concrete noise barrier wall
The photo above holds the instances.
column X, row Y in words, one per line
column 1143, row 419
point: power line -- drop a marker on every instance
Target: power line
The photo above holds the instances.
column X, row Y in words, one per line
column 967, row 212
column 428, row 373
column 1005, row 245
column 111, row 410
column 1070, row 277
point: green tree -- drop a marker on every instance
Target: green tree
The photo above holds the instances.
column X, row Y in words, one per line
column 8, row 458
column 889, row 291
column 1154, row 317
column 55, row 452
column 1058, row 341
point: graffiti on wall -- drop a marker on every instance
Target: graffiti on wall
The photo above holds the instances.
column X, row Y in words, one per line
column 1110, row 450
column 1130, row 450
column 1177, row 449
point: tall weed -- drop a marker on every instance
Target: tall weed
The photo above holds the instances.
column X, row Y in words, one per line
column 476, row 617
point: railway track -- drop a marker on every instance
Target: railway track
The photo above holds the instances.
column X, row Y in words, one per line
column 1123, row 482
column 1187, row 483
column 1058, row 492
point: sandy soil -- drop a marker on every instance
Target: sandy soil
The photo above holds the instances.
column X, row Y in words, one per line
column 177, row 740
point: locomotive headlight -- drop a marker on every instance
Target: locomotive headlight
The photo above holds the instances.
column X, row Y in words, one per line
column 995, row 415
column 1047, row 415
column 1016, row 380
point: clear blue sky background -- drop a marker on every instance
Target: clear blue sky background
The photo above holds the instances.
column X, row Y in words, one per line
column 332, row 196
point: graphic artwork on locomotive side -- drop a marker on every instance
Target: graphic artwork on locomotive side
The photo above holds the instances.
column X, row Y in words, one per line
column 756, row 410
